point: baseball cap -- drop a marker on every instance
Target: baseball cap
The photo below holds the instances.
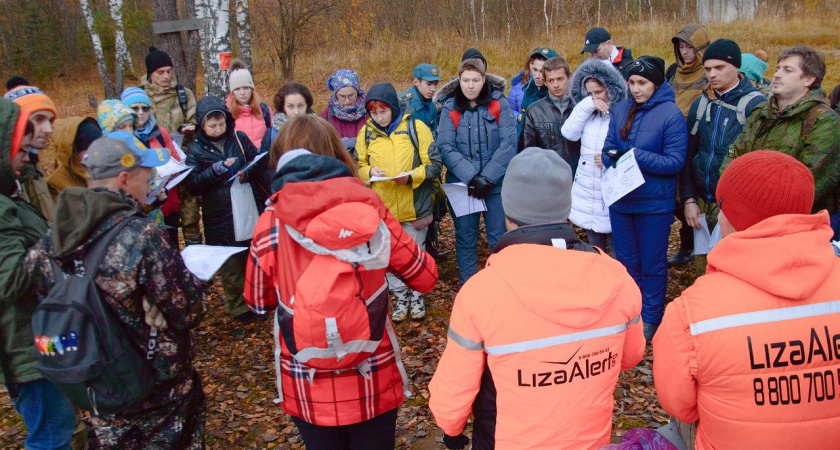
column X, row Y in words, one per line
column 545, row 52
column 594, row 38
column 120, row 151
column 428, row 72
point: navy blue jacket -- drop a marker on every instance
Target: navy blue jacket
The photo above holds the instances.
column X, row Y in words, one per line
column 421, row 109
column 660, row 138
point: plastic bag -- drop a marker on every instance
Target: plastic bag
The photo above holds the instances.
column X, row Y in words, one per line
column 244, row 208
column 641, row 439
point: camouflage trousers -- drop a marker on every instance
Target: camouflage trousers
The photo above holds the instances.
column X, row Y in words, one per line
column 171, row 416
column 190, row 216
column 232, row 275
column 711, row 210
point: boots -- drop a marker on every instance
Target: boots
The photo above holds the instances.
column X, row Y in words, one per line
column 401, row 309
column 418, row 309
column 681, row 257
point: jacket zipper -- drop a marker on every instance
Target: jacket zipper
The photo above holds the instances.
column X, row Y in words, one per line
column 712, row 147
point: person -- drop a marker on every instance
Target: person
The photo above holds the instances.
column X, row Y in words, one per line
column 417, row 100
column 476, row 151
column 114, row 115
column 70, row 140
column 714, row 122
column 387, row 149
column 536, row 88
column 753, row 66
column 15, row 81
column 46, row 412
column 344, row 409
column 143, row 282
column 596, row 88
column 497, row 83
column 153, row 136
column 798, row 121
column 346, row 106
column 544, row 119
column 652, row 126
column 599, row 44
column 291, row 100
column 518, row 82
column 253, row 117
column 555, row 355
column 217, row 154
column 172, row 104
column 42, row 114
column 748, row 354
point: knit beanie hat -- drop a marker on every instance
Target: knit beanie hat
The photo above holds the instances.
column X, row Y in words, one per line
column 110, row 114
column 474, row 53
column 650, row 68
column 763, row 184
column 241, row 78
column 31, row 99
column 753, row 67
column 15, row 81
column 157, row 59
column 724, row 50
column 471, row 64
column 134, row 95
column 18, row 128
column 342, row 78
column 87, row 132
column 537, row 187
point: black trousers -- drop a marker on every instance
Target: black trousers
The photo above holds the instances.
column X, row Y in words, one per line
column 374, row 434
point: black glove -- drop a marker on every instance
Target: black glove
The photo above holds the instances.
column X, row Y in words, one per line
column 455, row 442
column 480, row 187
column 615, row 155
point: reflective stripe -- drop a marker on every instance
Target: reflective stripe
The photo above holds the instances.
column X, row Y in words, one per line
column 349, row 347
column 464, row 342
column 376, row 294
column 767, row 316
column 557, row 340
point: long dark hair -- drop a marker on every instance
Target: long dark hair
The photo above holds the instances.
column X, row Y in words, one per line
column 628, row 123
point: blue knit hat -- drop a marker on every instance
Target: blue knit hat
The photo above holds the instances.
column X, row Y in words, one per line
column 752, row 67
column 134, row 95
column 343, row 78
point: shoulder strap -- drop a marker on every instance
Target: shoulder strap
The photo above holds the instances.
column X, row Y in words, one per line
column 241, row 148
column 266, row 113
column 701, row 111
column 672, row 70
column 495, row 109
column 96, row 253
column 811, row 119
column 161, row 140
column 741, row 110
column 412, row 134
column 182, row 98
column 455, row 115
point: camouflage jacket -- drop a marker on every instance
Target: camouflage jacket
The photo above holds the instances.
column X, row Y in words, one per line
column 140, row 265
column 166, row 107
column 809, row 131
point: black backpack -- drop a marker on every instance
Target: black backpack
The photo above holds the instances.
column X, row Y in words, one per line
column 83, row 349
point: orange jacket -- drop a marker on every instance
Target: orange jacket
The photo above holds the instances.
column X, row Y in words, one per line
column 752, row 349
column 572, row 309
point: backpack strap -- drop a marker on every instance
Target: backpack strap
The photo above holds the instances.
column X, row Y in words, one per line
column 811, row 119
column 412, row 134
column 702, row 110
column 741, row 109
column 455, row 115
column 495, row 109
column 182, row 98
column 95, row 254
column 266, row 113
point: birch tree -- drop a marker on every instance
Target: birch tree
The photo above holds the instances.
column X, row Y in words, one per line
column 215, row 39
column 101, row 66
column 243, row 32
column 726, row 10
column 547, row 22
column 122, row 57
column 474, row 21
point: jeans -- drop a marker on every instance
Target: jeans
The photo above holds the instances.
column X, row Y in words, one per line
column 47, row 413
column 378, row 433
column 466, row 234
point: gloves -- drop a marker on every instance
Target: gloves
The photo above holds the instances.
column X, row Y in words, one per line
column 614, row 158
column 480, row 187
column 455, row 442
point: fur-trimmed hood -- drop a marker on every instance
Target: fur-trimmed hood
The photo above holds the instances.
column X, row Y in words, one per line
column 496, row 83
column 607, row 75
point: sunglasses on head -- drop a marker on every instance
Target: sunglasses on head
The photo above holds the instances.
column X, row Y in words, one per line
column 141, row 108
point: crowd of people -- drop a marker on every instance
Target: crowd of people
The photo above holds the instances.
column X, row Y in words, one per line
column 350, row 203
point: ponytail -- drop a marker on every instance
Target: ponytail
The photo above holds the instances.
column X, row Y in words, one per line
column 628, row 123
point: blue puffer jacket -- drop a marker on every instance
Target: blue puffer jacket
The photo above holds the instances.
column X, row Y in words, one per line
column 515, row 95
column 660, row 138
column 479, row 145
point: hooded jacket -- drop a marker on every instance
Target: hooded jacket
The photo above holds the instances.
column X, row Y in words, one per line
column 308, row 187
column 166, row 107
column 495, row 82
column 555, row 394
column 209, row 177
column 70, row 171
column 751, row 349
column 784, row 130
column 590, row 127
column 688, row 81
column 659, row 135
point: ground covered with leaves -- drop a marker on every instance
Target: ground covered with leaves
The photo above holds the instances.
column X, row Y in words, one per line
column 237, row 365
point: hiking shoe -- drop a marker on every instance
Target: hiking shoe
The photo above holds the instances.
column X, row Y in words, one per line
column 683, row 256
column 418, row 309
column 649, row 330
column 246, row 317
column 401, row 308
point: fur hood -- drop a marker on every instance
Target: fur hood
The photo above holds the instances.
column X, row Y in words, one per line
column 496, row 83
column 607, row 75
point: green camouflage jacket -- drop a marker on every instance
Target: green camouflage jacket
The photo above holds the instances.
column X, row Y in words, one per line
column 166, row 107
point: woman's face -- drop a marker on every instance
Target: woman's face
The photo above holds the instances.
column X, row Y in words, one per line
column 294, row 105
column 346, row 96
column 596, row 90
column 143, row 112
column 242, row 94
column 641, row 88
column 382, row 116
column 471, row 84
column 536, row 71
column 214, row 127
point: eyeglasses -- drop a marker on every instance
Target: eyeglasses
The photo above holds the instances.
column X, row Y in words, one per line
column 141, row 108
column 347, row 98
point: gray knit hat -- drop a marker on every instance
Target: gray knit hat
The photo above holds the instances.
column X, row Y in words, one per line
column 537, row 188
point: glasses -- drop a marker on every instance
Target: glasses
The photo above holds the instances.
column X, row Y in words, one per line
column 141, row 108
column 347, row 98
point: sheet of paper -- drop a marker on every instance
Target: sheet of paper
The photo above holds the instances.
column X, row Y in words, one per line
column 156, row 191
column 257, row 158
column 622, row 179
column 205, row 260
column 174, row 182
column 836, row 245
column 372, row 179
column 170, row 168
column 702, row 237
column 461, row 201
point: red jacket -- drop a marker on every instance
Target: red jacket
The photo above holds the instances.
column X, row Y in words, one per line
column 173, row 200
column 275, row 264
column 751, row 351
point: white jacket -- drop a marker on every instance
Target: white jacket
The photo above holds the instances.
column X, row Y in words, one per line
column 590, row 126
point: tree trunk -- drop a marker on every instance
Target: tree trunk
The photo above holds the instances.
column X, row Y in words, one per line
column 97, row 50
column 483, row 21
column 116, row 7
column 215, row 40
column 243, row 32
column 193, row 49
column 726, row 10
column 474, row 20
column 547, row 22
column 509, row 18
column 171, row 42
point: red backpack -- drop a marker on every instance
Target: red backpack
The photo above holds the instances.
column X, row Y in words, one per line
column 493, row 106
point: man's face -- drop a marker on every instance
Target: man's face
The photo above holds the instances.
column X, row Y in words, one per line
column 557, row 82
column 21, row 158
column 688, row 53
column 722, row 76
column 426, row 88
column 536, row 71
column 43, row 128
column 604, row 50
column 162, row 76
column 789, row 81
column 136, row 183
column 214, row 127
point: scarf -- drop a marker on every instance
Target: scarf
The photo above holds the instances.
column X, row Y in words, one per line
column 143, row 133
column 348, row 113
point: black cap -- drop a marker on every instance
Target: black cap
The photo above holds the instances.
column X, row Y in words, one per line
column 651, row 68
column 157, row 59
column 474, row 53
column 725, row 50
column 594, row 38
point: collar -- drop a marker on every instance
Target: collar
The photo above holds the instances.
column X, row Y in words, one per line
column 542, row 234
column 614, row 54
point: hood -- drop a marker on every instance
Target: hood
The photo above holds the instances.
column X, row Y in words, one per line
column 385, row 93
column 542, row 292
column 9, row 113
column 208, row 104
column 800, row 107
column 788, row 256
column 698, row 37
column 70, row 172
column 663, row 94
column 743, row 87
column 609, row 76
column 495, row 82
column 80, row 214
column 300, row 165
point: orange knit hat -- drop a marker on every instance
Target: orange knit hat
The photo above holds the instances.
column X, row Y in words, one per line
column 31, row 99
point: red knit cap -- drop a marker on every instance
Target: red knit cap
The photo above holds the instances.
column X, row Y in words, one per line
column 763, row 184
